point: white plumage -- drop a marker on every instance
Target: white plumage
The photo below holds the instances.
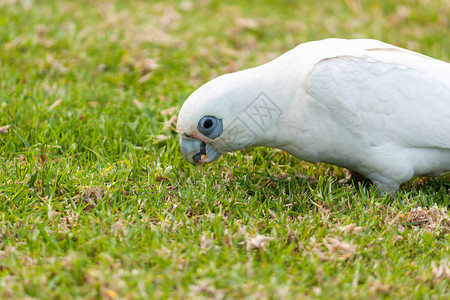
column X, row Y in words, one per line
column 373, row 108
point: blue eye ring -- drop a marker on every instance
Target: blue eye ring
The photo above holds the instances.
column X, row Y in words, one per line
column 210, row 126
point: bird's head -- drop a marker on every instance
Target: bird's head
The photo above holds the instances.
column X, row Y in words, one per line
column 214, row 119
column 203, row 122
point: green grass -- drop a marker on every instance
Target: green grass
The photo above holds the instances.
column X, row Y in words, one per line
column 97, row 201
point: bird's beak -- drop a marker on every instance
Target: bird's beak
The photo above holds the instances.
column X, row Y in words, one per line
column 197, row 152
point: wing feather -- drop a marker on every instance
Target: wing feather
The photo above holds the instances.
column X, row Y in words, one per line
column 387, row 95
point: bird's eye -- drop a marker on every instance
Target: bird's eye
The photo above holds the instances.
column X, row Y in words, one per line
column 208, row 123
column 210, row 126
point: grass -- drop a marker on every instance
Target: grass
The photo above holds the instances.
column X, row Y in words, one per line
column 97, row 201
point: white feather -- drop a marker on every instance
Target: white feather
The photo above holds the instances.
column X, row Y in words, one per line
column 371, row 107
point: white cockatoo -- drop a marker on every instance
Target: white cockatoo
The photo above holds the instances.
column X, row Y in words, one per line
column 373, row 108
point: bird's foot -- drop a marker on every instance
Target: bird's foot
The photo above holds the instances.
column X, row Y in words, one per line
column 354, row 177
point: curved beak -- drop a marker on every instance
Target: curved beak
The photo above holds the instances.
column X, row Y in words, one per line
column 197, row 152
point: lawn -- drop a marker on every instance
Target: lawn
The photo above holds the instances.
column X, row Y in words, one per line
column 96, row 200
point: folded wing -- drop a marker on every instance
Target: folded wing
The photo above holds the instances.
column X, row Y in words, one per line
column 389, row 95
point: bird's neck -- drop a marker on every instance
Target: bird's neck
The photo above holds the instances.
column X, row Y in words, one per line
column 266, row 105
